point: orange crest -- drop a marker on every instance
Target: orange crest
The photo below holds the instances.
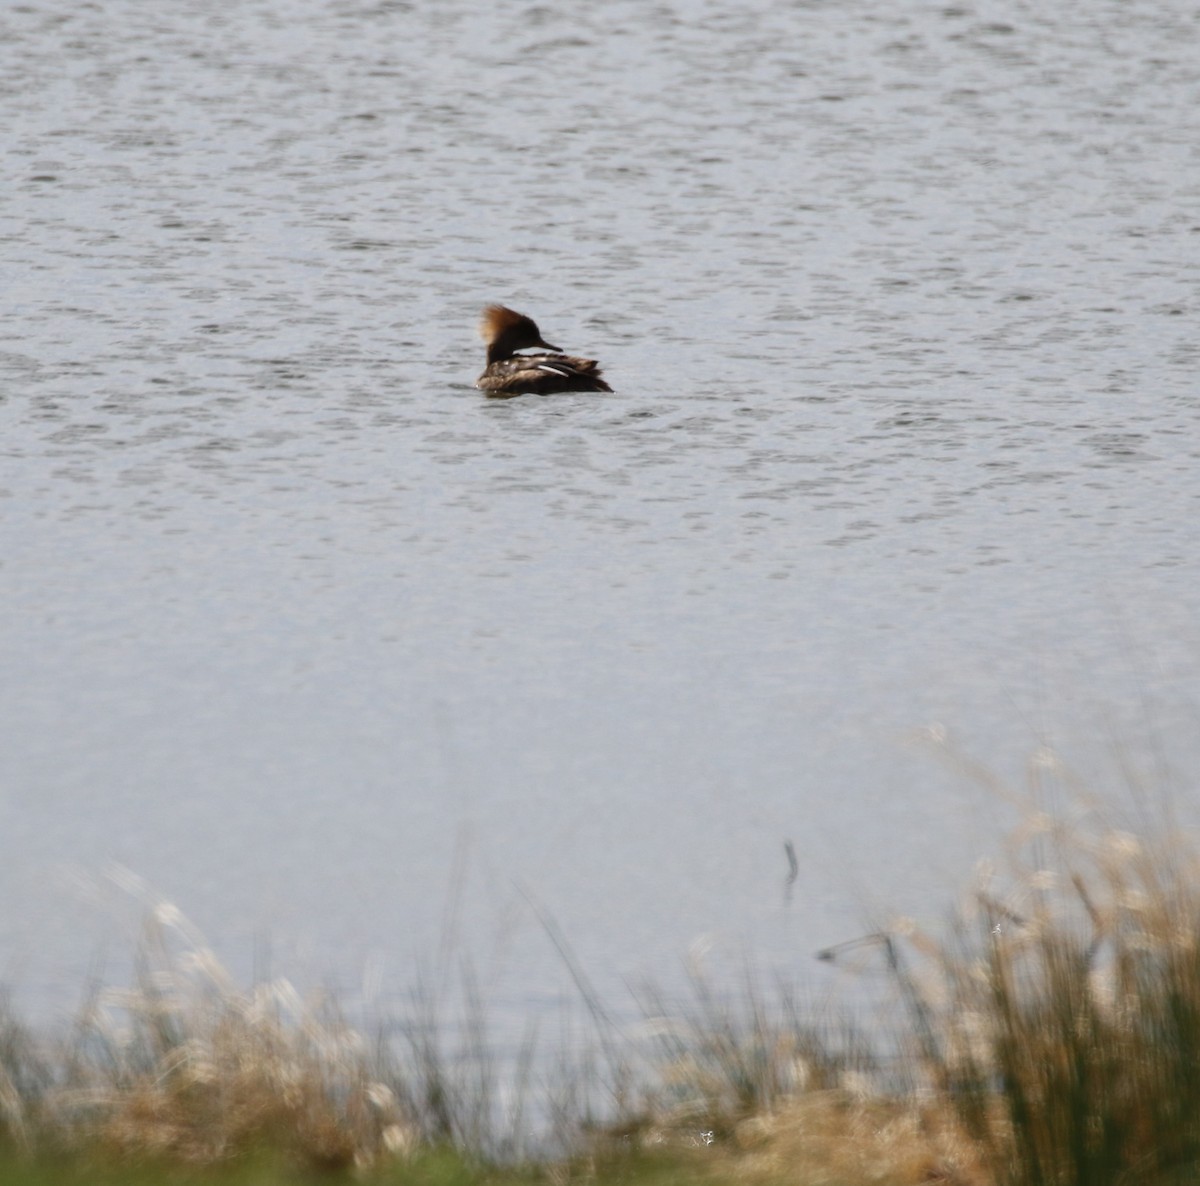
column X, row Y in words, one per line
column 497, row 320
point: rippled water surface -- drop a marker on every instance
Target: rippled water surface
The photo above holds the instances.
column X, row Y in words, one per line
column 899, row 304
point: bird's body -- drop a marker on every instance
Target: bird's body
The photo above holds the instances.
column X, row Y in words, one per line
column 509, row 373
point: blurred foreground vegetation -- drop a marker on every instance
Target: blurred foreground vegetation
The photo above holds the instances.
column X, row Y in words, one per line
column 1050, row 1035
column 443, row 1168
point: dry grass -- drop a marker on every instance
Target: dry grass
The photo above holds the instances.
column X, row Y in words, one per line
column 185, row 1066
column 1060, row 1024
column 1053, row 1037
column 828, row 1138
column 716, row 1062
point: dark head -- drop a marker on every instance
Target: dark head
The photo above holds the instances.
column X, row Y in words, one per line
column 506, row 332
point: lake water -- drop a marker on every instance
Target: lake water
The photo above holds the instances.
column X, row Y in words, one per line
column 899, row 305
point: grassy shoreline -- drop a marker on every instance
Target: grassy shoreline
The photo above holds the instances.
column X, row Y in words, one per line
column 1051, row 1035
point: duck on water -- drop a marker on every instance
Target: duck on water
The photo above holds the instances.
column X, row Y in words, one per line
column 509, row 373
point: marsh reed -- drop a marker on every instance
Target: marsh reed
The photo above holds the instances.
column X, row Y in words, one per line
column 1048, row 1034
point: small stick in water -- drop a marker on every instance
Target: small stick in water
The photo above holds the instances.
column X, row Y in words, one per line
column 876, row 939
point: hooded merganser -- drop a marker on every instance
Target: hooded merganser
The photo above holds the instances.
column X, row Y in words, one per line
column 509, row 373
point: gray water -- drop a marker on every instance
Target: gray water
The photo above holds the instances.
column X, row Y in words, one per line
column 899, row 304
